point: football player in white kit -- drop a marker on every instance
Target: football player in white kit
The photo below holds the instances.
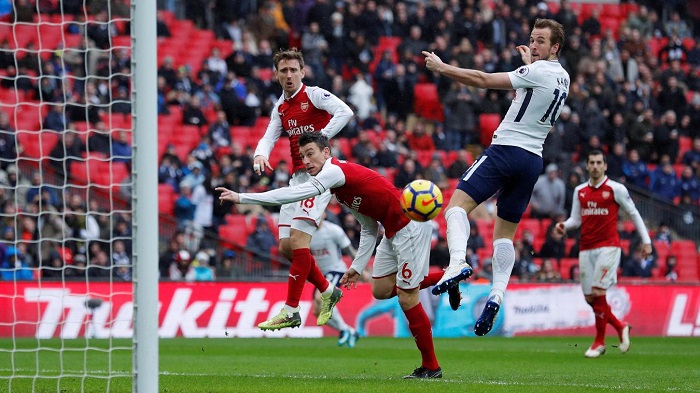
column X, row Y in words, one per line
column 595, row 208
column 326, row 247
column 513, row 162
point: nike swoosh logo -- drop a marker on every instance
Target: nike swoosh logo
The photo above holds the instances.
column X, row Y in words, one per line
column 429, row 201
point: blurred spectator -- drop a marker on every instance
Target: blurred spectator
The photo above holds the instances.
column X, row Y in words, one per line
column 219, row 131
column 460, row 165
column 121, row 261
column 166, row 258
column 616, row 160
column 574, row 274
column 554, row 245
column 637, row 266
column 690, row 185
column 419, row 138
column 184, row 207
column 193, row 114
column 162, row 29
column 399, row 93
column 226, row 268
column 548, row 195
column 13, row 267
column 677, row 26
column 180, row 265
column 548, row 272
column 101, row 30
column 361, row 95
column 440, row 255
column 663, row 234
column 261, row 242
column 56, row 118
column 199, row 269
column 641, row 135
column 99, row 266
column 98, row 140
column 635, row 170
column 121, row 147
column 169, row 172
column 8, row 145
column 435, row 172
column 670, row 271
column 691, row 157
column 408, row 172
column 475, row 241
column 460, row 105
column 664, row 183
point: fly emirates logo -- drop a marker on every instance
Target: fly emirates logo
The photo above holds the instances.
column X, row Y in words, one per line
column 592, row 209
column 294, row 129
column 233, row 313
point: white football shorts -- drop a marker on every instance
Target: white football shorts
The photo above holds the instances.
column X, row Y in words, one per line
column 598, row 268
column 407, row 255
column 305, row 215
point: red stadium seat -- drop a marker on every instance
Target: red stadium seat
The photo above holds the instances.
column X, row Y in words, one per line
column 488, row 123
column 426, row 102
column 231, row 236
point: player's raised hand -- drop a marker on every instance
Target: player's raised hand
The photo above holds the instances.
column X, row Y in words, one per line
column 260, row 163
column 432, row 61
column 646, row 251
column 350, row 279
column 525, row 55
column 228, row 195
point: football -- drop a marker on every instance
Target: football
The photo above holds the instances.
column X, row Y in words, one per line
column 421, row 200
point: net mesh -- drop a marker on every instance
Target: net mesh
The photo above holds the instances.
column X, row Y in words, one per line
column 65, row 190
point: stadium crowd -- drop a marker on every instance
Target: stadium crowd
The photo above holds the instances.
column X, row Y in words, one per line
column 635, row 94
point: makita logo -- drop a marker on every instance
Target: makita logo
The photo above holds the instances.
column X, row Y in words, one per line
column 592, row 209
column 294, row 129
column 234, row 314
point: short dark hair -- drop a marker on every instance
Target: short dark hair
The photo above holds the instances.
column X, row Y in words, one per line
column 288, row 54
column 556, row 29
column 596, row 152
column 314, row 137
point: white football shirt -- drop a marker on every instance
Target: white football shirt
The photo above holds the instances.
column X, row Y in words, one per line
column 541, row 89
column 326, row 246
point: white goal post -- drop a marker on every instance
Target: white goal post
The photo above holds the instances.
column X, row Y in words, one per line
column 78, row 196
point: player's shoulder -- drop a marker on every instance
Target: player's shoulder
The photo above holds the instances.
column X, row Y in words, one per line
column 616, row 186
column 581, row 187
column 318, row 92
column 332, row 227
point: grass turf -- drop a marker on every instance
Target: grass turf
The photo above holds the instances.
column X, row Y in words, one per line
column 523, row 364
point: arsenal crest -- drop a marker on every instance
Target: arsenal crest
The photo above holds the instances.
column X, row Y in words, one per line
column 304, row 106
column 606, row 194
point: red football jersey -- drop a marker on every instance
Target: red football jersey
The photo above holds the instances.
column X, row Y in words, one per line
column 372, row 195
column 599, row 207
column 299, row 115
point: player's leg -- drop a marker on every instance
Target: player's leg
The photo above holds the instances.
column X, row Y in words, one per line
column 521, row 169
column 307, row 217
column 478, row 183
column 347, row 334
column 502, row 263
column 289, row 315
column 606, row 261
column 411, row 250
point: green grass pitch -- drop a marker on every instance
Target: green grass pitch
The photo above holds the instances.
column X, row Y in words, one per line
column 523, row 364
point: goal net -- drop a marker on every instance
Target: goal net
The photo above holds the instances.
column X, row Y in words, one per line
column 66, row 153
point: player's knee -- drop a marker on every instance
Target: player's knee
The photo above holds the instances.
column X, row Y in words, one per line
column 408, row 299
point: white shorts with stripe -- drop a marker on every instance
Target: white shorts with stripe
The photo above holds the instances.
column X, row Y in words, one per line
column 407, row 255
column 598, row 268
column 305, row 215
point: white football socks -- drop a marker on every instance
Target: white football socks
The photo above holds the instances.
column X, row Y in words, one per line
column 328, row 291
column 457, row 234
column 503, row 261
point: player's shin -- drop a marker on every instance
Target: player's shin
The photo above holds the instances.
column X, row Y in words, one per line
column 457, row 234
column 298, row 273
column 503, row 262
column 420, row 327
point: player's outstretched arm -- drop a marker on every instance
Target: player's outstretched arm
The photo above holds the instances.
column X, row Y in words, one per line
column 277, row 197
column 499, row 80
